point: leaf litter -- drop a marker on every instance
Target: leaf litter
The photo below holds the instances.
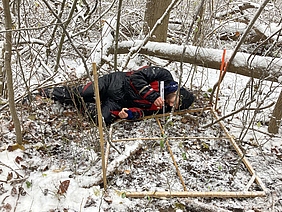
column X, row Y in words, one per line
column 61, row 164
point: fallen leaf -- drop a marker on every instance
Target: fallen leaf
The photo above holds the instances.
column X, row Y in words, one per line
column 59, row 170
column 10, row 176
column 127, row 171
column 14, row 147
column 11, row 126
column 18, row 159
column 8, row 207
column 31, row 117
column 108, row 199
column 14, row 192
column 63, row 187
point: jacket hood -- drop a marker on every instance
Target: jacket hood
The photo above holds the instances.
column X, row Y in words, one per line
column 186, row 98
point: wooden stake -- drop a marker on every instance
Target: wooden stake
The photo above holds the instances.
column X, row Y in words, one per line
column 172, row 157
column 170, row 138
column 226, row 194
column 211, row 194
column 253, row 178
column 176, row 113
column 241, row 154
column 100, row 122
column 222, row 69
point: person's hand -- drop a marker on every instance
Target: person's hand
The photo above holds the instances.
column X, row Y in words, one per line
column 123, row 114
column 159, row 102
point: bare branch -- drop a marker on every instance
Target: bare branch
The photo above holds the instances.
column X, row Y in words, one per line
column 237, row 111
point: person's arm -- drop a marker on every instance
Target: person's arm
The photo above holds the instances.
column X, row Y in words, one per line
column 131, row 113
column 141, row 80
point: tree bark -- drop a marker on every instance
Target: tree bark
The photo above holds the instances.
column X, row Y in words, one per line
column 147, row 38
column 154, row 10
column 117, row 33
column 199, row 25
column 8, row 70
column 259, row 67
column 275, row 120
column 2, row 73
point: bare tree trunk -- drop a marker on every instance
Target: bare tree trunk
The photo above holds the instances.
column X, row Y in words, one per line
column 62, row 40
column 117, row 33
column 8, row 70
column 154, row 10
column 147, row 38
column 2, row 73
column 275, row 120
column 200, row 18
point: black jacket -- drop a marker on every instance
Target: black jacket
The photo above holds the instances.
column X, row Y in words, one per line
column 135, row 90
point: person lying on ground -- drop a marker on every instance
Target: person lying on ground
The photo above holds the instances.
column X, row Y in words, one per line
column 126, row 95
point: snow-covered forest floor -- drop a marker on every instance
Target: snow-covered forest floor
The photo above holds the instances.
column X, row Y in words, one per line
column 59, row 167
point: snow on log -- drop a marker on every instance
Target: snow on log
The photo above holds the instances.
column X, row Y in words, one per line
column 90, row 181
column 268, row 68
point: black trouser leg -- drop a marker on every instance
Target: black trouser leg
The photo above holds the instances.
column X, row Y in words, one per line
column 87, row 93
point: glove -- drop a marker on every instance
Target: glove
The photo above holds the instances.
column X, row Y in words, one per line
column 130, row 114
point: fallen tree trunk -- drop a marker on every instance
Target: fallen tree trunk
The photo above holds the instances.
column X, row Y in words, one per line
column 267, row 68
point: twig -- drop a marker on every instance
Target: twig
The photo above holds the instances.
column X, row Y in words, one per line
column 241, row 154
column 266, row 133
column 170, row 138
column 69, row 38
column 94, row 22
column 100, row 204
column 117, row 34
column 110, row 135
column 172, row 156
column 242, row 108
column 243, row 37
column 3, row 164
column 237, row 111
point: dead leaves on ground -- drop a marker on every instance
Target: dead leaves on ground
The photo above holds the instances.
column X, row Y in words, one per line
column 14, row 147
column 63, row 187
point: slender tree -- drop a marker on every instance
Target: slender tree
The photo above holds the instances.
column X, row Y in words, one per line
column 275, row 120
column 8, row 69
column 2, row 76
column 117, row 33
